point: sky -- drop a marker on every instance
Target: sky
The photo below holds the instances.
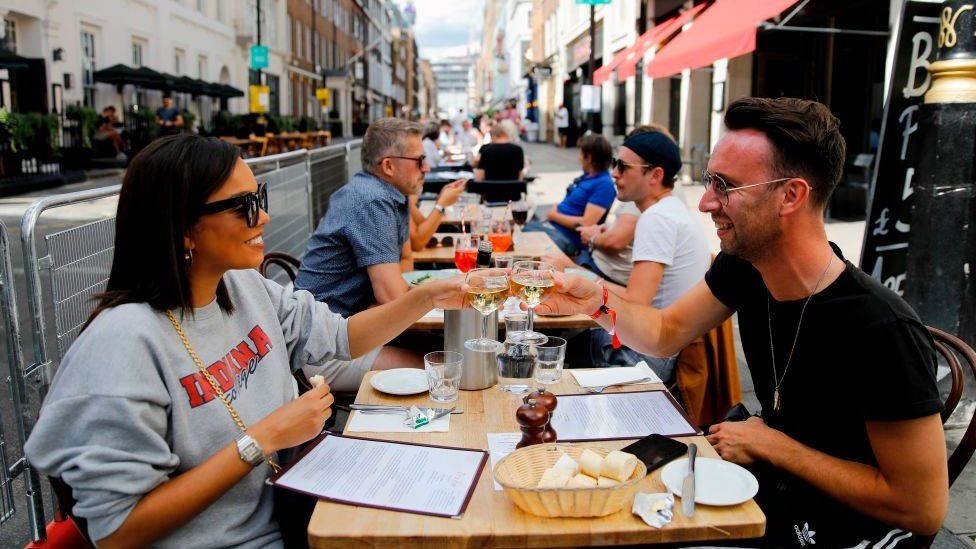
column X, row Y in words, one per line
column 443, row 26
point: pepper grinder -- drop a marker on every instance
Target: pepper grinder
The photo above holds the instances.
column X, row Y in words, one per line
column 532, row 418
column 547, row 399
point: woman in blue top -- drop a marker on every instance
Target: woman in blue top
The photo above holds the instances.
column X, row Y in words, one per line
column 587, row 199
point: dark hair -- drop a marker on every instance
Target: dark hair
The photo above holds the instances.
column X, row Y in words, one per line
column 805, row 136
column 598, row 149
column 164, row 188
column 431, row 131
column 109, row 108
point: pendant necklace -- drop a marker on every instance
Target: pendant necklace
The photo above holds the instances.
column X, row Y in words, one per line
column 772, row 352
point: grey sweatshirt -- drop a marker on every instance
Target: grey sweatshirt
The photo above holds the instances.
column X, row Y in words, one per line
column 128, row 409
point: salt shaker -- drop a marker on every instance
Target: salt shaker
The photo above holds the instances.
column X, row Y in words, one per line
column 547, row 399
column 532, row 418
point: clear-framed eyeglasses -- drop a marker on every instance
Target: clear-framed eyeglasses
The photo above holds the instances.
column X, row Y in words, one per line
column 722, row 189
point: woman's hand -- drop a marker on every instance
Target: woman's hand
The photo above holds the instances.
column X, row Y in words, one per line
column 573, row 295
column 296, row 422
column 446, row 294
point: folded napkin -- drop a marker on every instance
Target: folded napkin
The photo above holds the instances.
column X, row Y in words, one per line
column 607, row 376
column 656, row 510
column 435, row 313
column 393, row 423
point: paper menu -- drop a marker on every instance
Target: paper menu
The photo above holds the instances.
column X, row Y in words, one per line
column 397, row 476
column 607, row 376
column 615, row 416
column 499, row 446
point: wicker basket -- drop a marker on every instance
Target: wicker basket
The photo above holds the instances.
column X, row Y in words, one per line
column 520, row 471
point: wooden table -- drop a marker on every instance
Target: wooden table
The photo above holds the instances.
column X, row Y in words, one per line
column 532, row 245
column 491, row 519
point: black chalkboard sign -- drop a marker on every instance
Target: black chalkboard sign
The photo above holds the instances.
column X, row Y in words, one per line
column 889, row 221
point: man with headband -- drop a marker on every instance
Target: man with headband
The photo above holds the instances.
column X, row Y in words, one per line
column 669, row 256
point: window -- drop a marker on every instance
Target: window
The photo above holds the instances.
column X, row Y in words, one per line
column 88, row 67
column 202, row 67
column 220, row 10
column 178, row 57
column 202, row 6
column 9, row 40
column 289, row 46
column 138, row 49
column 311, row 45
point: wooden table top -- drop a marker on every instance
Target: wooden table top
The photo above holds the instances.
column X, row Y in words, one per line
column 491, row 519
column 532, row 245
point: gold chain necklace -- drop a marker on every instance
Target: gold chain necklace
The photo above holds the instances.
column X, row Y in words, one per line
column 213, row 383
column 772, row 351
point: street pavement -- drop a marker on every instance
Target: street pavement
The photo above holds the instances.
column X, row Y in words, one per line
column 555, row 169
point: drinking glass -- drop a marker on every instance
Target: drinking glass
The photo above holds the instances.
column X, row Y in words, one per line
column 549, row 358
column 443, row 375
column 503, row 261
column 501, row 236
column 532, row 283
column 515, row 322
column 487, row 291
column 516, row 365
column 466, row 252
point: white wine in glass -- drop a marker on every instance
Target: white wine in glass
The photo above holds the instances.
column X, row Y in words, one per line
column 532, row 282
column 487, row 291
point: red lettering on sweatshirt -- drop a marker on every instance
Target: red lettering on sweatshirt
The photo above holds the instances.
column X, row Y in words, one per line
column 239, row 362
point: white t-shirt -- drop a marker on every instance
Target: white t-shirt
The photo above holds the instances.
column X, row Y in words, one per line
column 667, row 234
column 562, row 118
column 433, row 154
column 617, row 265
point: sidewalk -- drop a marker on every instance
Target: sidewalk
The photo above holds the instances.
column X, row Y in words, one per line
column 556, row 168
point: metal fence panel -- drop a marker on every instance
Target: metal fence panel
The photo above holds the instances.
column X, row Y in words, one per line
column 288, row 201
column 354, row 160
column 327, row 170
column 15, row 365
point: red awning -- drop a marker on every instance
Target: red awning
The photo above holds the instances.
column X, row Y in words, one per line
column 625, row 62
column 725, row 30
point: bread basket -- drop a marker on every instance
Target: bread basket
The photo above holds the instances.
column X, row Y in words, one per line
column 519, row 472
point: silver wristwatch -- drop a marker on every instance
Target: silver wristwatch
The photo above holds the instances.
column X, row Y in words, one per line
column 249, row 450
column 440, row 208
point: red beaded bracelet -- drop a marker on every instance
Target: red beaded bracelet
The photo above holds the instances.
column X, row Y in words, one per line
column 613, row 317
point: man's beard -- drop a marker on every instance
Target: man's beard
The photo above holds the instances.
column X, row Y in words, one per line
column 755, row 247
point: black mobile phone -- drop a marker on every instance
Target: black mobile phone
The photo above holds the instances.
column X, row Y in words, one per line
column 656, row 450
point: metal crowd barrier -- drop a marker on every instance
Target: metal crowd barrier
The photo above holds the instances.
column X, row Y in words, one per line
column 68, row 258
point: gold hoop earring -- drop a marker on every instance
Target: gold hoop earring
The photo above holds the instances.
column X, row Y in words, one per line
column 188, row 256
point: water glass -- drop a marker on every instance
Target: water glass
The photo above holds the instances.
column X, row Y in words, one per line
column 516, row 365
column 503, row 261
column 515, row 322
column 443, row 375
column 549, row 360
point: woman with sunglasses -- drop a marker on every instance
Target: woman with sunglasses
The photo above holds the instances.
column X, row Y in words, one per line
column 167, row 412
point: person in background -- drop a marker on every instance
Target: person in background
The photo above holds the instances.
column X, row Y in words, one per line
column 562, row 124
column 445, row 136
column 357, row 255
column 106, row 131
column 131, row 423
column 423, row 227
column 431, row 151
column 587, row 199
column 859, row 462
column 468, row 138
column 168, row 118
column 500, row 160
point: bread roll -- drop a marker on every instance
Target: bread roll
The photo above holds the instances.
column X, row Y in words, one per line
column 604, row 481
column 316, row 381
column 590, row 463
column 582, row 481
column 555, row 477
column 566, row 462
column 618, row 466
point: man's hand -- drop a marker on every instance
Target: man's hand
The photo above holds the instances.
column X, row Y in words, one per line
column 446, row 294
column 573, row 295
column 450, row 193
column 559, row 260
column 744, row 442
column 588, row 232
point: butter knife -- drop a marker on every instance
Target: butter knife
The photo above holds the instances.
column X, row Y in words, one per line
column 688, row 484
column 387, row 409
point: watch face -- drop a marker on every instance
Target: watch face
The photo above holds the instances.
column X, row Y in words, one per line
column 250, row 451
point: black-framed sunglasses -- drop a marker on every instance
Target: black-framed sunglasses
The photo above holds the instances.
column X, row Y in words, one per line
column 722, row 188
column 249, row 204
column 419, row 159
column 618, row 164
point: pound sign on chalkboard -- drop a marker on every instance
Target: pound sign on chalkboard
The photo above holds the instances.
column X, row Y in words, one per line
column 882, row 223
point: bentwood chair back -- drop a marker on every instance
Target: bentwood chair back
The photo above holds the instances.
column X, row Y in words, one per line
column 956, row 353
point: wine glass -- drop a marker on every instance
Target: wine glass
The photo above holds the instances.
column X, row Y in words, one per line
column 466, row 252
column 487, row 291
column 532, row 282
column 520, row 216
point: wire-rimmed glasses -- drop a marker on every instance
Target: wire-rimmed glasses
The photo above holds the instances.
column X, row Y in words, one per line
column 722, row 188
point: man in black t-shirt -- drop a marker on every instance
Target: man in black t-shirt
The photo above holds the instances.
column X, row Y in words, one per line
column 500, row 160
column 849, row 450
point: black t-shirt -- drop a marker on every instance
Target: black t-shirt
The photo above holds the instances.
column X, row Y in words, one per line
column 862, row 355
column 501, row 161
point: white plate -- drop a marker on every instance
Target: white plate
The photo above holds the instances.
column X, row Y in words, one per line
column 717, row 482
column 400, row 381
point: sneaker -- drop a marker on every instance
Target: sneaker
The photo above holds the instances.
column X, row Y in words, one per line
column 121, row 156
